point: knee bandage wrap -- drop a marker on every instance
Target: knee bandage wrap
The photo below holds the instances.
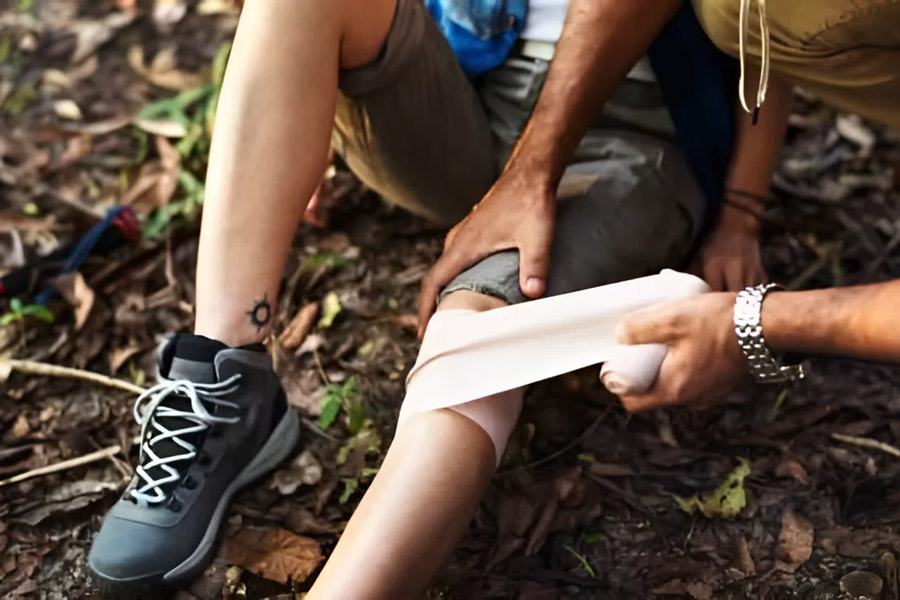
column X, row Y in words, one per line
column 477, row 363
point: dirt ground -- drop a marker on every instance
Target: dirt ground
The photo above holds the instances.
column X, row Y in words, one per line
column 586, row 502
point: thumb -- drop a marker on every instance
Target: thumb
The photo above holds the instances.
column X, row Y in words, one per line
column 649, row 325
column 534, row 262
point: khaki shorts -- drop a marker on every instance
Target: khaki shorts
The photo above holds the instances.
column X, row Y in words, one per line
column 418, row 132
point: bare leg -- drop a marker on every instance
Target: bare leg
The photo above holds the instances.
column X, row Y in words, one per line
column 419, row 504
column 270, row 146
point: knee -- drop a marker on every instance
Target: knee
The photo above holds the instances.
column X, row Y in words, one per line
column 721, row 21
column 466, row 300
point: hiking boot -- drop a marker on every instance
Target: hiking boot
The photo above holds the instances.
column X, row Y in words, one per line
column 217, row 420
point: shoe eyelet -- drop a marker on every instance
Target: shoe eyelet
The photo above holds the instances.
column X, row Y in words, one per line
column 203, row 460
column 189, row 483
column 174, row 505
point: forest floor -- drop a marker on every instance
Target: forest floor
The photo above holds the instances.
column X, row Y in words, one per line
column 584, row 505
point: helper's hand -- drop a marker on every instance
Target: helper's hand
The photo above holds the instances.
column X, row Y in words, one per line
column 517, row 213
column 729, row 259
column 704, row 361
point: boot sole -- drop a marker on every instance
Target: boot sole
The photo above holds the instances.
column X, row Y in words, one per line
column 281, row 442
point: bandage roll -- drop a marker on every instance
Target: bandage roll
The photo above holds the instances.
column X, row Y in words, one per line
column 469, row 355
column 633, row 369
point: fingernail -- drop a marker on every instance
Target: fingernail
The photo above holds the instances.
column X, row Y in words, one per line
column 532, row 285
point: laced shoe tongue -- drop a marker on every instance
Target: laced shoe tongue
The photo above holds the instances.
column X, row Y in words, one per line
column 191, row 358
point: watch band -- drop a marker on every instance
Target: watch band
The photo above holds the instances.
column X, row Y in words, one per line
column 763, row 365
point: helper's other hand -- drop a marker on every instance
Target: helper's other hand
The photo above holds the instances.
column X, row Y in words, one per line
column 704, row 361
column 729, row 259
column 517, row 213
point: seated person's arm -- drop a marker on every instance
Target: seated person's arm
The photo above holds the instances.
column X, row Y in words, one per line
column 704, row 361
column 600, row 43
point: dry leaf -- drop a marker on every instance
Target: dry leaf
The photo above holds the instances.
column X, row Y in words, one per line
column 78, row 294
column 10, row 223
column 217, row 7
column 90, row 35
column 794, row 542
column 791, row 468
column 852, row 129
column 302, row 521
column 167, row 14
column 119, row 356
column 67, row 109
column 156, row 183
column 331, row 308
column 5, row 367
column 744, row 561
column 303, row 470
column 21, row 428
column 163, row 70
column 275, row 554
column 162, row 127
column 299, row 327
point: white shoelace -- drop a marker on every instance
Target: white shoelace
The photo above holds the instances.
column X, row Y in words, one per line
column 147, row 412
column 763, row 85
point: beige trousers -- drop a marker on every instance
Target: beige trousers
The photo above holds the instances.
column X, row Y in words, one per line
column 847, row 52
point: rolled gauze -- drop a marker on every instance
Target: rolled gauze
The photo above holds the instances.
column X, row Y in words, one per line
column 469, row 355
column 633, row 369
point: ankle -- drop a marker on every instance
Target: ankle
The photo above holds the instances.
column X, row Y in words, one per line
column 235, row 335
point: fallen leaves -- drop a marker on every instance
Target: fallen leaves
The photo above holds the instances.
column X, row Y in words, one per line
column 156, row 183
column 78, row 294
column 163, row 70
column 331, row 308
column 91, row 35
column 303, row 470
column 299, row 327
column 275, row 554
column 67, row 109
column 794, row 542
column 726, row 501
column 66, row 498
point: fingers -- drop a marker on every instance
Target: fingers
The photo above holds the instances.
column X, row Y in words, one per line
column 714, row 275
column 452, row 263
column 534, row 263
column 666, row 391
column 644, row 402
column 736, row 277
column 652, row 325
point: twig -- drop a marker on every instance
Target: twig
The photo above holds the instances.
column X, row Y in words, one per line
column 322, row 373
column 866, row 443
column 64, row 465
column 318, row 431
column 590, row 429
column 38, row 368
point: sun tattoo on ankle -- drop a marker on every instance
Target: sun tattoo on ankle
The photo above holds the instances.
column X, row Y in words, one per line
column 261, row 313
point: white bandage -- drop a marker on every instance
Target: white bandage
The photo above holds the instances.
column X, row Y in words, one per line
column 469, row 355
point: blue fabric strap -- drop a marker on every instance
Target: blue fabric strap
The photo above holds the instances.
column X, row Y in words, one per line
column 82, row 250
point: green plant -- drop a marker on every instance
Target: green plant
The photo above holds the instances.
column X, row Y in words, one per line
column 195, row 111
column 18, row 312
column 582, row 559
column 344, row 396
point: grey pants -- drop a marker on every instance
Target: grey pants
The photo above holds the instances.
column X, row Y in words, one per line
column 417, row 131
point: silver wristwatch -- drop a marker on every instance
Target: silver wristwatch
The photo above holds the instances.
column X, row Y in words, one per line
column 764, row 367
